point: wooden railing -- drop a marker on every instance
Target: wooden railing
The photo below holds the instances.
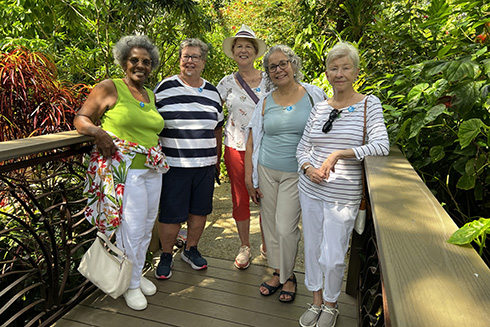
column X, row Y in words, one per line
column 410, row 272
column 43, row 233
column 402, row 268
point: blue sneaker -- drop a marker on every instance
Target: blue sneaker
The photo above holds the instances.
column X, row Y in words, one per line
column 194, row 258
column 164, row 270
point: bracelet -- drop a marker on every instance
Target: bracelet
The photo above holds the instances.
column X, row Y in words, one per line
column 306, row 167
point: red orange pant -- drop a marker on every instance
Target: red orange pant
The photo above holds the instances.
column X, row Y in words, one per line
column 235, row 165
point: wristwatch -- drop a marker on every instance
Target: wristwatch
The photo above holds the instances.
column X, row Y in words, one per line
column 306, row 167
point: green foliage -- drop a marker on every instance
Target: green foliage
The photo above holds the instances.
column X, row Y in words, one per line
column 80, row 35
column 441, row 123
column 429, row 66
column 474, row 231
column 228, row 17
column 270, row 19
column 408, row 32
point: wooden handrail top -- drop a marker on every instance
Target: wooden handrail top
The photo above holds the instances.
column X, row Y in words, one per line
column 428, row 281
column 23, row 147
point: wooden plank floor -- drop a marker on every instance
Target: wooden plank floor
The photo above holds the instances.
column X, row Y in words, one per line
column 218, row 296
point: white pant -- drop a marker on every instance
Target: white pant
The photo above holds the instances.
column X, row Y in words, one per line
column 327, row 229
column 140, row 207
column 280, row 212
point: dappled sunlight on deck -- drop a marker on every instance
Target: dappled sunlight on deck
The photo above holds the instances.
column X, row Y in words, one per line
column 220, row 296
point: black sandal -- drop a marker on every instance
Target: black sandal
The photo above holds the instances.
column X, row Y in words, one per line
column 291, row 294
column 270, row 288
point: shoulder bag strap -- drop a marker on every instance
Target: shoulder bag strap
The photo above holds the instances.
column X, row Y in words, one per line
column 363, row 142
column 247, row 88
column 364, row 130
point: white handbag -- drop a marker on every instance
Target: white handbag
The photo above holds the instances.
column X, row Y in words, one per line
column 360, row 222
column 361, row 218
column 109, row 273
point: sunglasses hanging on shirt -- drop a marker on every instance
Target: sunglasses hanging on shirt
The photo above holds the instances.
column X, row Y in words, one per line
column 334, row 114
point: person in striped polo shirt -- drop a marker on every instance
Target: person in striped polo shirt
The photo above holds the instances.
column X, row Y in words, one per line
column 191, row 140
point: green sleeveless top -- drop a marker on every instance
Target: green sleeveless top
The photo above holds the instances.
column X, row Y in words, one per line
column 130, row 121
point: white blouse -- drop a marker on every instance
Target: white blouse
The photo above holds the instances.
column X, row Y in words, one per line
column 240, row 109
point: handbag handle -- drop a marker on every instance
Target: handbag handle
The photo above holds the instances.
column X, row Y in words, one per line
column 364, row 141
column 247, row 88
column 364, row 131
column 111, row 246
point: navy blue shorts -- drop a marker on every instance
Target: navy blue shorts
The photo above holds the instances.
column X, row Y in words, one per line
column 186, row 191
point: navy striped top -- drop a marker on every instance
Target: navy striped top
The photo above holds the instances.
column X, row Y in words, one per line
column 191, row 115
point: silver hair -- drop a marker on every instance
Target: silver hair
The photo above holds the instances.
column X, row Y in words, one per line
column 194, row 43
column 122, row 48
column 343, row 49
column 293, row 58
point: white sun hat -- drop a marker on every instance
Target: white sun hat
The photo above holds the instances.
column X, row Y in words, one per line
column 246, row 33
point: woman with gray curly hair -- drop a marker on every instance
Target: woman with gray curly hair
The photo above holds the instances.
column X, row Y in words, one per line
column 122, row 49
column 124, row 197
column 271, row 168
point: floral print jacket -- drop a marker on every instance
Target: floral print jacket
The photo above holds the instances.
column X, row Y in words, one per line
column 104, row 183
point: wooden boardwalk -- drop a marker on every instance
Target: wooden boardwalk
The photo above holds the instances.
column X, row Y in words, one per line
column 220, row 296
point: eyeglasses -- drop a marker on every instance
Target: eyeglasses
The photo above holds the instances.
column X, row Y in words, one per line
column 193, row 58
column 328, row 124
column 134, row 61
column 283, row 64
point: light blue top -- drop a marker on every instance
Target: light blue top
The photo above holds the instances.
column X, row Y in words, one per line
column 256, row 125
column 283, row 128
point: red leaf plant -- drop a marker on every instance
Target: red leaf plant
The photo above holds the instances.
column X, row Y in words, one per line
column 32, row 100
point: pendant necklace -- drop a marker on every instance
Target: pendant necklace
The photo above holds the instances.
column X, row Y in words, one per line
column 253, row 81
column 142, row 104
column 288, row 108
column 199, row 88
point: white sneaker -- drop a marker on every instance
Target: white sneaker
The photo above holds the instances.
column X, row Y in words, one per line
column 135, row 299
column 147, row 287
column 328, row 317
column 310, row 317
column 242, row 260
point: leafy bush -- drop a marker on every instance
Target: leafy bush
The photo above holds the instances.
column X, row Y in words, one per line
column 431, row 68
column 32, row 101
column 437, row 112
column 429, row 63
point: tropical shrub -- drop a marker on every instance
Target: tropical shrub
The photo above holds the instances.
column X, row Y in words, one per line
column 79, row 35
column 431, row 68
column 437, row 112
column 429, row 64
column 32, row 101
